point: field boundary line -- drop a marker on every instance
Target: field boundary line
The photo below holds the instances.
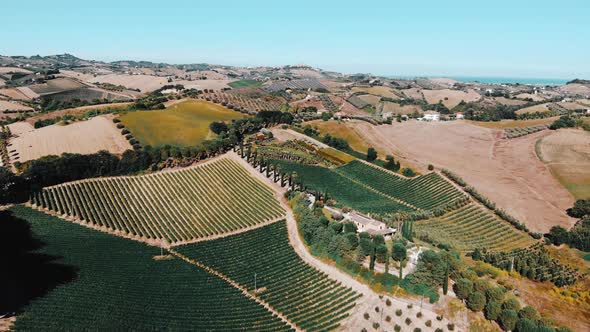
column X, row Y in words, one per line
column 402, row 202
column 235, row 285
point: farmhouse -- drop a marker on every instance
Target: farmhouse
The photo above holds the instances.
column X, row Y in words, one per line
column 459, row 116
column 369, row 225
column 431, row 116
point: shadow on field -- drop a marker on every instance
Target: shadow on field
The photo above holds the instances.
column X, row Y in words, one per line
column 26, row 274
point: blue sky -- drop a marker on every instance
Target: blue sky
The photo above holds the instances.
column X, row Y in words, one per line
column 515, row 38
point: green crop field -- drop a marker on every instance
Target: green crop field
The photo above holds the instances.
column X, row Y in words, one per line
column 345, row 191
column 192, row 203
column 119, row 286
column 245, row 84
column 302, row 294
column 471, row 227
column 426, row 192
column 183, row 124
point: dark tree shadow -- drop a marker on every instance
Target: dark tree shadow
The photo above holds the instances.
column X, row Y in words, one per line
column 25, row 273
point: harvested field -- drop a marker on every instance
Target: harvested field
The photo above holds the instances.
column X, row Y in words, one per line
column 6, row 70
column 413, row 93
column 532, row 96
column 370, row 99
column 345, row 107
column 77, row 111
column 382, row 91
column 183, row 124
column 510, row 102
column 397, row 109
column 513, row 123
column 90, row 136
column 576, row 89
column 541, row 108
column 13, row 106
column 567, row 153
column 343, row 130
column 205, row 84
column 145, row 83
column 506, row 171
column 56, row 86
column 450, row 98
column 22, row 93
column 18, row 128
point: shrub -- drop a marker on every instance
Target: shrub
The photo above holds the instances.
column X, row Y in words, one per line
column 428, row 323
column 410, row 306
column 366, row 315
column 388, row 319
column 451, row 326
column 419, row 314
column 375, row 325
column 476, row 301
column 397, row 328
column 430, row 167
column 417, row 329
column 115, row 120
column 120, row 126
column 511, row 304
column 508, row 319
column 408, row 321
column 438, row 329
column 492, row 310
column 398, row 312
column 376, row 309
column 528, row 312
column 439, row 317
column 463, row 287
column 125, row 131
column 388, row 302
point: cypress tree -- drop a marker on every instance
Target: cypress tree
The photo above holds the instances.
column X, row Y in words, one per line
column 446, row 281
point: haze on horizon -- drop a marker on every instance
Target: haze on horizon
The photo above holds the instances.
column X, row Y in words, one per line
column 542, row 39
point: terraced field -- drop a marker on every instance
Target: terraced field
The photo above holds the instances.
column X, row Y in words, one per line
column 264, row 256
column 470, row 227
column 344, row 190
column 119, row 286
column 426, row 192
column 194, row 203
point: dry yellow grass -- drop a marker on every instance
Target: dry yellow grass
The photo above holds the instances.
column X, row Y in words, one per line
column 512, row 123
column 450, row 98
column 541, row 108
column 567, row 153
column 84, row 137
column 344, row 131
column 371, row 99
column 382, row 91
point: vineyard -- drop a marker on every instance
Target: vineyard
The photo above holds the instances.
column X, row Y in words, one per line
column 263, row 261
column 518, row 132
column 471, row 227
column 345, row 191
column 427, row 192
column 241, row 103
column 119, row 286
column 210, row 199
column 533, row 263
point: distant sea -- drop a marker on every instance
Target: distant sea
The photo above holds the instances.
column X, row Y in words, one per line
column 499, row 80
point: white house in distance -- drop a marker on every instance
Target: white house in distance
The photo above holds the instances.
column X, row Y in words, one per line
column 431, row 116
column 459, row 116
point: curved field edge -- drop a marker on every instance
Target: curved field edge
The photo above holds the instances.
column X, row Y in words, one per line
column 199, row 203
column 155, row 290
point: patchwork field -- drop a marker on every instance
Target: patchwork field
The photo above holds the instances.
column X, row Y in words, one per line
column 567, row 153
column 397, row 109
column 472, row 227
column 343, row 130
column 134, row 290
column 84, row 137
column 77, row 111
column 205, row 201
column 541, row 108
column 145, row 83
column 382, row 91
column 305, row 296
column 506, row 171
column 183, row 124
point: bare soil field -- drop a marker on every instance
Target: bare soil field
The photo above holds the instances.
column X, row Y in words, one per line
column 571, row 105
column 76, row 111
column 22, row 93
column 346, row 107
column 506, row 171
column 567, row 153
column 541, row 108
column 204, row 84
column 90, row 136
column 6, row 70
column 18, row 128
column 450, row 98
column 443, row 81
column 55, row 86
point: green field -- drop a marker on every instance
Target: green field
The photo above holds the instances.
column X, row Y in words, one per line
column 245, row 84
column 119, row 286
column 183, row 124
column 301, row 293
column 184, row 205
